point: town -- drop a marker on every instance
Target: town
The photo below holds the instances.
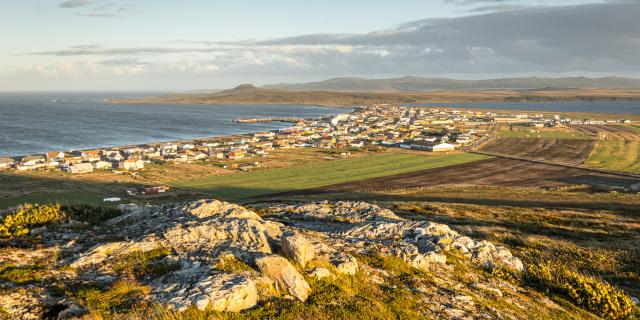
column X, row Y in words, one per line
column 391, row 126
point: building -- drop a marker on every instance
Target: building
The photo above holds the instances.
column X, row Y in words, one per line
column 55, row 156
column 442, row 147
column 80, row 168
column 32, row 160
column 131, row 164
column 236, row 154
column 91, row 155
column 102, row 165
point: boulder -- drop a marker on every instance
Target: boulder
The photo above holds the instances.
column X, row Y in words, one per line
column 297, row 248
column 285, row 275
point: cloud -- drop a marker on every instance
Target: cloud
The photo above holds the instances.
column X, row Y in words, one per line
column 95, row 8
column 75, row 3
column 581, row 39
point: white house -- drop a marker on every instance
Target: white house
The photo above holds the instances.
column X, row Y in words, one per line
column 442, row 147
column 131, row 164
column 80, row 168
column 101, row 165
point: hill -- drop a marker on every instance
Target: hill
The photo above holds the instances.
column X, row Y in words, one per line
column 410, row 83
column 248, row 94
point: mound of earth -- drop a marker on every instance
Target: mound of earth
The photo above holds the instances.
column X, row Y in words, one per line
column 220, row 256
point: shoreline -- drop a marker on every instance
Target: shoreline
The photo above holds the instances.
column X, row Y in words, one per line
column 158, row 143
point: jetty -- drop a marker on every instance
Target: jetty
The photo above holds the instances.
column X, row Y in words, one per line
column 281, row 119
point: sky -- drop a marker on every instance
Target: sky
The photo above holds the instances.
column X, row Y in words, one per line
column 169, row 45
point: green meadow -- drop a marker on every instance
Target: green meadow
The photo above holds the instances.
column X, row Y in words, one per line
column 244, row 185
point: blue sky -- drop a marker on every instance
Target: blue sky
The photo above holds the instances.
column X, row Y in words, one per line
column 183, row 45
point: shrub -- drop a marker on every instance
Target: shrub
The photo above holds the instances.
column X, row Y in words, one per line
column 17, row 222
column 591, row 293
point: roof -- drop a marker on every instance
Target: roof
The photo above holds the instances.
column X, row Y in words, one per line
column 34, row 157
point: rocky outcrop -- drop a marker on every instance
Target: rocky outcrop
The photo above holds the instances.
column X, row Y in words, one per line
column 367, row 227
column 285, row 275
column 321, row 239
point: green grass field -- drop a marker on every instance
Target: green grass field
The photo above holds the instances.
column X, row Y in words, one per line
column 621, row 155
column 543, row 134
column 244, row 185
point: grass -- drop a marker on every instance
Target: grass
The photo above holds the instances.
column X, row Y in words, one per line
column 121, row 297
column 620, row 155
column 544, row 134
column 144, row 265
column 65, row 198
column 317, row 175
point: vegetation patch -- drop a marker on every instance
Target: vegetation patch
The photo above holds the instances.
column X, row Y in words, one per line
column 145, row 264
column 21, row 275
column 17, row 222
column 120, row 298
column 620, row 155
column 589, row 292
column 231, row 264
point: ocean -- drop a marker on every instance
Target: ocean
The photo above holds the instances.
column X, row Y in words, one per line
column 33, row 123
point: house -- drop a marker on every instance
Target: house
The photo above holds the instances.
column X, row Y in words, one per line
column 73, row 160
column 169, row 149
column 236, row 154
column 102, row 165
column 90, row 155
column 442, row 147
column 55, row 156
column 131, row 164
column 32, row 160
column 80, row 168
column 114, row 156
column 6, row 163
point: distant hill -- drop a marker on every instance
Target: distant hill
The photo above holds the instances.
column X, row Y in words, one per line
column 249, row 94
column 410, row 83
